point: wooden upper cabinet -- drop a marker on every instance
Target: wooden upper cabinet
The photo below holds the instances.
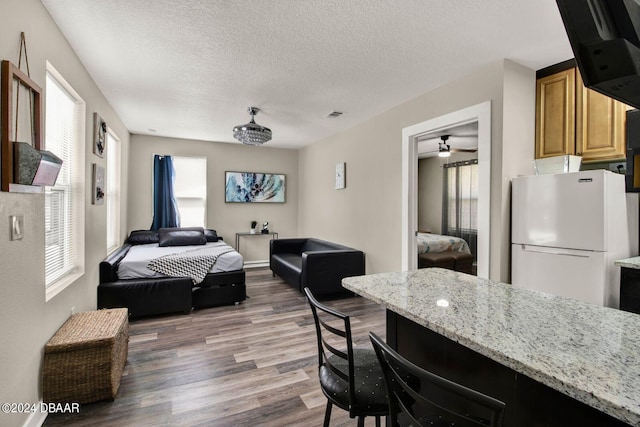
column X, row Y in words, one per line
column 600, row 125
column 571, row 119
column 555, row 114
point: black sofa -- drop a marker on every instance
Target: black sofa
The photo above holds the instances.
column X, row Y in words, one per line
column 152, row 296
column 314, row 263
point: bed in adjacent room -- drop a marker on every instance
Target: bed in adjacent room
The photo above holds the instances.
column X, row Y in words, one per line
column 435, row 250
column 428, row 242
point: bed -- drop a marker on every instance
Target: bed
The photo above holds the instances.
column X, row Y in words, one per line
column 435, row 250
column 171, row 270
column 428, row 242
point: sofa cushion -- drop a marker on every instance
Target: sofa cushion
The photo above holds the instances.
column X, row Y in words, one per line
column 182, row 236
column 290, row 262
column 289, row 267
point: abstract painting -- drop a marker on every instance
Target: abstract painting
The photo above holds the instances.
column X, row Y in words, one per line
column 253, row 187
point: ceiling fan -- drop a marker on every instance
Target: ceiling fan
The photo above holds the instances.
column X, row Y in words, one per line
column 445, row 150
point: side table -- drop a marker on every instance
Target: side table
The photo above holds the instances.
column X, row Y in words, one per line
column 246, row 233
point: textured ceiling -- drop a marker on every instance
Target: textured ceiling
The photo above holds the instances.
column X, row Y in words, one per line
column 190, row 68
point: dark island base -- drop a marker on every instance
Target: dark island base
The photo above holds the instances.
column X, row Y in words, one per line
column 528, row 402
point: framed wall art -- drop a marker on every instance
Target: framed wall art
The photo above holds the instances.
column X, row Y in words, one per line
column 254, row 187
column 99, row 135
column 99, row 185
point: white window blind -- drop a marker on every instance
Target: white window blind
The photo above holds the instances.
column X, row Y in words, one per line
column 462, row 198
column 113, row 191
column 64, row 202
column 190, row 190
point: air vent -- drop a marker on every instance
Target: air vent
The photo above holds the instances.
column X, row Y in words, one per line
column 334, row 114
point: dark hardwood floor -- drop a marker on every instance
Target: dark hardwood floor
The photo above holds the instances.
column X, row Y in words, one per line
column 252, row 364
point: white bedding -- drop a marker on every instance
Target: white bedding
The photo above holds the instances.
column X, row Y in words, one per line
column 428, row 242
column 135, row 264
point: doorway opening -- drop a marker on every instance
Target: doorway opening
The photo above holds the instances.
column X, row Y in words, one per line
column 411, row 140
column 447, row 194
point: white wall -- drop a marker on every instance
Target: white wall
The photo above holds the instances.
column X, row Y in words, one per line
column 430, row 181
column 225, row 218
column 26, row 320
column 367, row 214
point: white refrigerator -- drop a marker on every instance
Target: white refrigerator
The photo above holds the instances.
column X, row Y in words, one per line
column 567, row 231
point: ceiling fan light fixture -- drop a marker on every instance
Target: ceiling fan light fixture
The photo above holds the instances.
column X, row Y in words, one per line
column 444, row 150
column 252, row 133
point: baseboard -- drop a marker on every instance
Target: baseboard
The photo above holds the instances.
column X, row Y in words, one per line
column 256, row 264
column 36, row 419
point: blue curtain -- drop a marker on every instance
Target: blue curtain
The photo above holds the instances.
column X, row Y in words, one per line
column 165, row 208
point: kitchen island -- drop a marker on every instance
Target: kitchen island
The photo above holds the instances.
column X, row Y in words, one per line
column 554, row 361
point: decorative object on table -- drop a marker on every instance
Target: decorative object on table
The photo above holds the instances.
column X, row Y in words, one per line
column 97, row 197
column 253, row 187
column 340, row 175
column 254, row 224
column 99, row 135
column 252, row 133
column 265, row 228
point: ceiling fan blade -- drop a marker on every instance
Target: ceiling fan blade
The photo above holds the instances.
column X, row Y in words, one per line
column 464, row 150
column 452, row 139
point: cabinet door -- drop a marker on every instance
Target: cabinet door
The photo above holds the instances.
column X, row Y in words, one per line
column 600, row 125
column 555, row 114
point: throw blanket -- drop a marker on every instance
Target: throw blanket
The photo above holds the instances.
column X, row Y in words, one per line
column 194, row 264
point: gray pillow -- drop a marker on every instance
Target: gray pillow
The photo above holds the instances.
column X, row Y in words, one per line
column 182, row 236
column 211, row 235
column 143, row 237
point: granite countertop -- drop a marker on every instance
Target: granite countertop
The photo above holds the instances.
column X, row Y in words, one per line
column 633, row 262
column 588, row 352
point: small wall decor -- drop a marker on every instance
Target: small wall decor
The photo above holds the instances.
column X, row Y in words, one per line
column 12, row 82
column 99, row 135
column 253, row 187
column 97, row 197
column 340, row 175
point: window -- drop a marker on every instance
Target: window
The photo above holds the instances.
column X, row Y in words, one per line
column 190, row 190
column 113, row 191
column 64, row 202
column 460, row 207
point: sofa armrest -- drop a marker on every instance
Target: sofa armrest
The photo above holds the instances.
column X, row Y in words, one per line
column 323, row 271
column 109, row 266
column 292, row 246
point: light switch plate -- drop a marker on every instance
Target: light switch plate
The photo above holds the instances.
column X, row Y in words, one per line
column 16, row 223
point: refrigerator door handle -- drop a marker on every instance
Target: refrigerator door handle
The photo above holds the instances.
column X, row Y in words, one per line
column 553, row 251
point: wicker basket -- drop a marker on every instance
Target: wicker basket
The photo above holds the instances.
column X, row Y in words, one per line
column 84, row 360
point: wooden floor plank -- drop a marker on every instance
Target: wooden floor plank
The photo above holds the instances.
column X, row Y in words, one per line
column 251, row 364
